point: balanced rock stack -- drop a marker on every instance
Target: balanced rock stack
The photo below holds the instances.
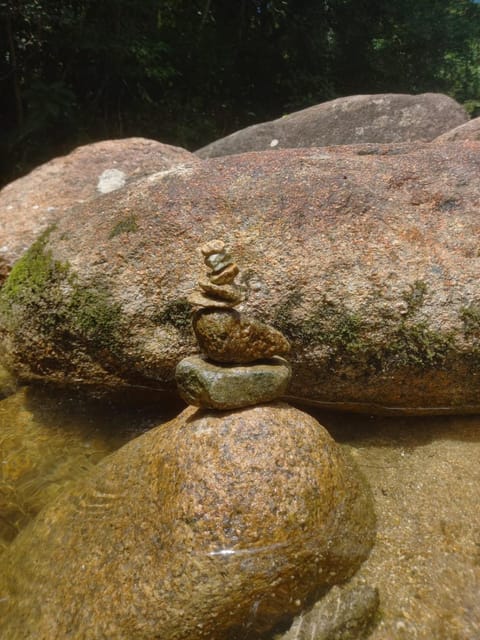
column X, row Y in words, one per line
column 242, row 363
column 221, row 524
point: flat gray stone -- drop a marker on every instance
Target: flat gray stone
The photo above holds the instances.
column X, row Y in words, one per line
column 219, row 386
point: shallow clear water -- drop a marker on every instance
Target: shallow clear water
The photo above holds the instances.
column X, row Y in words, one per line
column 424, row 473
column 50, row 438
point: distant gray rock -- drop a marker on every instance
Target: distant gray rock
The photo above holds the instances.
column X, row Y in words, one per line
column 389, row 117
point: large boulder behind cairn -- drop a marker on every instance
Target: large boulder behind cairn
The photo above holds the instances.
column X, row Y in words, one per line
column 212, row 526
column 468, row 131
column 365, row 257
column 389, row 117
column 28, row 205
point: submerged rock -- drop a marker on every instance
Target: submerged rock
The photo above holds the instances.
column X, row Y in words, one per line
column 212, row 526
column 345, row 613
column 47, row 441
column 388, row 117
column 207, row 384
column 365, row 257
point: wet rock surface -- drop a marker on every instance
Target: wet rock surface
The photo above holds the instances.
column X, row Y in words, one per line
column 30, row 204
column 389, row 117
column 365, row 257
column 213, row 525
column 206, row 384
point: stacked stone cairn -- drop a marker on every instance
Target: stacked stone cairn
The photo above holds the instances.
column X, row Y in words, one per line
column 242, row 363
column 225, row 522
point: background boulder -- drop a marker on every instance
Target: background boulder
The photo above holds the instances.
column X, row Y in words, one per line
column 365, row 256
column 28, row 205
column 389, row 117
column 468, row 131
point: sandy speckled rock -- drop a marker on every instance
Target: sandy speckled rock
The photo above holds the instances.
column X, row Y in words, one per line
column 211, row 526
column 30, row 204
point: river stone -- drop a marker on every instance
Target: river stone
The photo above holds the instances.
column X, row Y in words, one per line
column 225, row 335
column 388, row 117
column 212, row 526
column 206, row 384
column 31, row 203
column 365, row 257
column 347, row 612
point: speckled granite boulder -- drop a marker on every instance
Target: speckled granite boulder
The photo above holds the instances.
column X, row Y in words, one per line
column 212, row 526
column 365, row 257
column 28, row 205
column 205, row 384
column 386, row 117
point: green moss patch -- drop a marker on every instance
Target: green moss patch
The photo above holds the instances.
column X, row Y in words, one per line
column 126, row 225
column 31, row 274
column 470, row 317
column 351, row 340
column 330, row 324
column 416, row 345
column 45, row 295
column 178, row 314
column 94, row 316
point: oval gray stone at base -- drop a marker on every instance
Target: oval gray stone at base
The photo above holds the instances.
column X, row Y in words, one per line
column 203, row 383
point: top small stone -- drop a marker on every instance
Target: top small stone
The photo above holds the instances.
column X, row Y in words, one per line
column 220, row 289
column 214, row 246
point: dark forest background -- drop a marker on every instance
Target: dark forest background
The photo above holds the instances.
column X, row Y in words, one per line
column 188, row 72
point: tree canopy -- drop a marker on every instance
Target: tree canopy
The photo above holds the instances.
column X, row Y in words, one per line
column 188, row 71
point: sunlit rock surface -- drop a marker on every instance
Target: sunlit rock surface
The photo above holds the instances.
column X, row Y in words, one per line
column 365, row 257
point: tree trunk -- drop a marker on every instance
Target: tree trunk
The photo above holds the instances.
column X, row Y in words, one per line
column 15, row 72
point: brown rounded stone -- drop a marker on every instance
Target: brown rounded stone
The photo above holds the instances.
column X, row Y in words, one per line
column 226, row 292
column 212, row 526
column 198, row 299
column 225, row 335
column 214, row 246
column 226, row 276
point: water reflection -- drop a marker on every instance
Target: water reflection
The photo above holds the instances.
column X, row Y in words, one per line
column 50, row 438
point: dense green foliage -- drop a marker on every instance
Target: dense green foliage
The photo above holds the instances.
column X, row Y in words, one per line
column 189, row 71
